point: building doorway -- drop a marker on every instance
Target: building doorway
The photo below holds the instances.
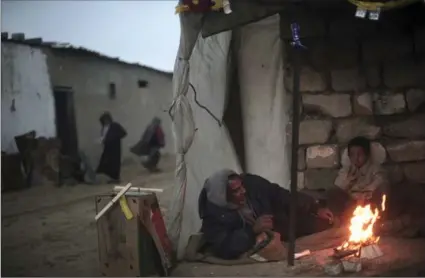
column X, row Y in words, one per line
column 66, row 127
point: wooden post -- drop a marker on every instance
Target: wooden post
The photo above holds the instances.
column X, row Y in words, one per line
column 297, row 47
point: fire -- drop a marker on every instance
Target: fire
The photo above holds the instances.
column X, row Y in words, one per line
column 384, row 199
column 361, row 227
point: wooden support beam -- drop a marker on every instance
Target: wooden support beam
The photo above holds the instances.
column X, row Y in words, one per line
column 296, row 98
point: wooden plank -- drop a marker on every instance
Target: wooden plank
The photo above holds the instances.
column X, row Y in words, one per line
column 117, row 241
column 126, row 247
column 112, row 202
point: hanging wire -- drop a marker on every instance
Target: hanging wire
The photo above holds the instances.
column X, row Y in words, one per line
column 203, row 106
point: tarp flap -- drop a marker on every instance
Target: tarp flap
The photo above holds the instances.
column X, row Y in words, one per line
column 264, row 113
column 211, row 148
column 182, row 119
column 265, row 106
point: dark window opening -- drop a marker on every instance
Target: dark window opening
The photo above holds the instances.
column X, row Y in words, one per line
column 142, row 83
column 112, row 91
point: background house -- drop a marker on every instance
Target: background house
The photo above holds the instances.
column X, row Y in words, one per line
column 82, row 85
column 27, row 101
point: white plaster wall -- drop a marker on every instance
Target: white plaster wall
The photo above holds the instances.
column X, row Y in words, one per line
column 133, row 107
column 25, row 80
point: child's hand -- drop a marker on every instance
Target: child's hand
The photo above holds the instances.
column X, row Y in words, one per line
column 351, row 176
column 352, row 171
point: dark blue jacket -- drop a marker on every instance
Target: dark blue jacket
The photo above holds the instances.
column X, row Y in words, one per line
column 226, row 233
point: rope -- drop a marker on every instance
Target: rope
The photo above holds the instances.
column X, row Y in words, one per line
column 181, row 113
column 203, row 106
column 374, row 6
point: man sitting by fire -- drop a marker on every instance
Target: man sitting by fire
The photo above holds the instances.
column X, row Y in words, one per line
column 237, row 209
column 359, row 182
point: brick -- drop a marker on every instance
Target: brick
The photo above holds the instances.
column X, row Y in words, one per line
column 357, row 28
column 410, row 128
column 415, row 172
column 378, row 152
column 394, row 173
column 310, row 80
column 335, row 105
column 348, row 80
column 315, row 56
column 333, row 268
column 388, row 104
column 387, row 47
column 317, row 53
column 311, row 25
column 348, row 129
column 363, row 104
column 396, row 23
column 420, row 41
column 400, row 74
column 300, row 181
column 415, row 99
column 407, row 151
column 314, row 131
column 373, row 76
column 322, row 156
column 319, row 178
column 301, row 159
column 343, row 53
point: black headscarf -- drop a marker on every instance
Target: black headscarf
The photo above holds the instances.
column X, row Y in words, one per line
column 106, row 117
column 142, row 147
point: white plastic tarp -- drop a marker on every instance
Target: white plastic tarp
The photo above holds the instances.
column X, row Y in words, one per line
column 206, row 150
column 264, row 102
column 264, row 117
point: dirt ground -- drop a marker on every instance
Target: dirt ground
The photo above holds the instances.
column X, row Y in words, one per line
column 48, row 231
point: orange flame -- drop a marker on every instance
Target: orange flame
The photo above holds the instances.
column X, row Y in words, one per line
column 361, row 226
column 384, row 200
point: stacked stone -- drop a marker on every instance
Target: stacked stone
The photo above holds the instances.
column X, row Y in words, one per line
column 360, row 78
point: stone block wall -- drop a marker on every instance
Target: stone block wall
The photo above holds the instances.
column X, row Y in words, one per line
column 360, row 77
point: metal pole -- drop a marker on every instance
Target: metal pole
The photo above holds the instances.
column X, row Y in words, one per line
column 297, row 47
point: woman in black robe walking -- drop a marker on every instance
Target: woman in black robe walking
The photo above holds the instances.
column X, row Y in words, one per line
column 148, row 147
column 110, row 161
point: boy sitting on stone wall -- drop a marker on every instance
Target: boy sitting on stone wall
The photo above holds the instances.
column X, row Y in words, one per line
column 362, row 180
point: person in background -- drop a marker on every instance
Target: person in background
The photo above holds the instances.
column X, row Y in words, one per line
column 360, row 182
column 111, row 135
column 236, row 209
column 149, row 145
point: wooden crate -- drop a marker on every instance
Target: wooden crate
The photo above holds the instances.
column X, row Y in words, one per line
column 128, row 247
column 12, row 175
